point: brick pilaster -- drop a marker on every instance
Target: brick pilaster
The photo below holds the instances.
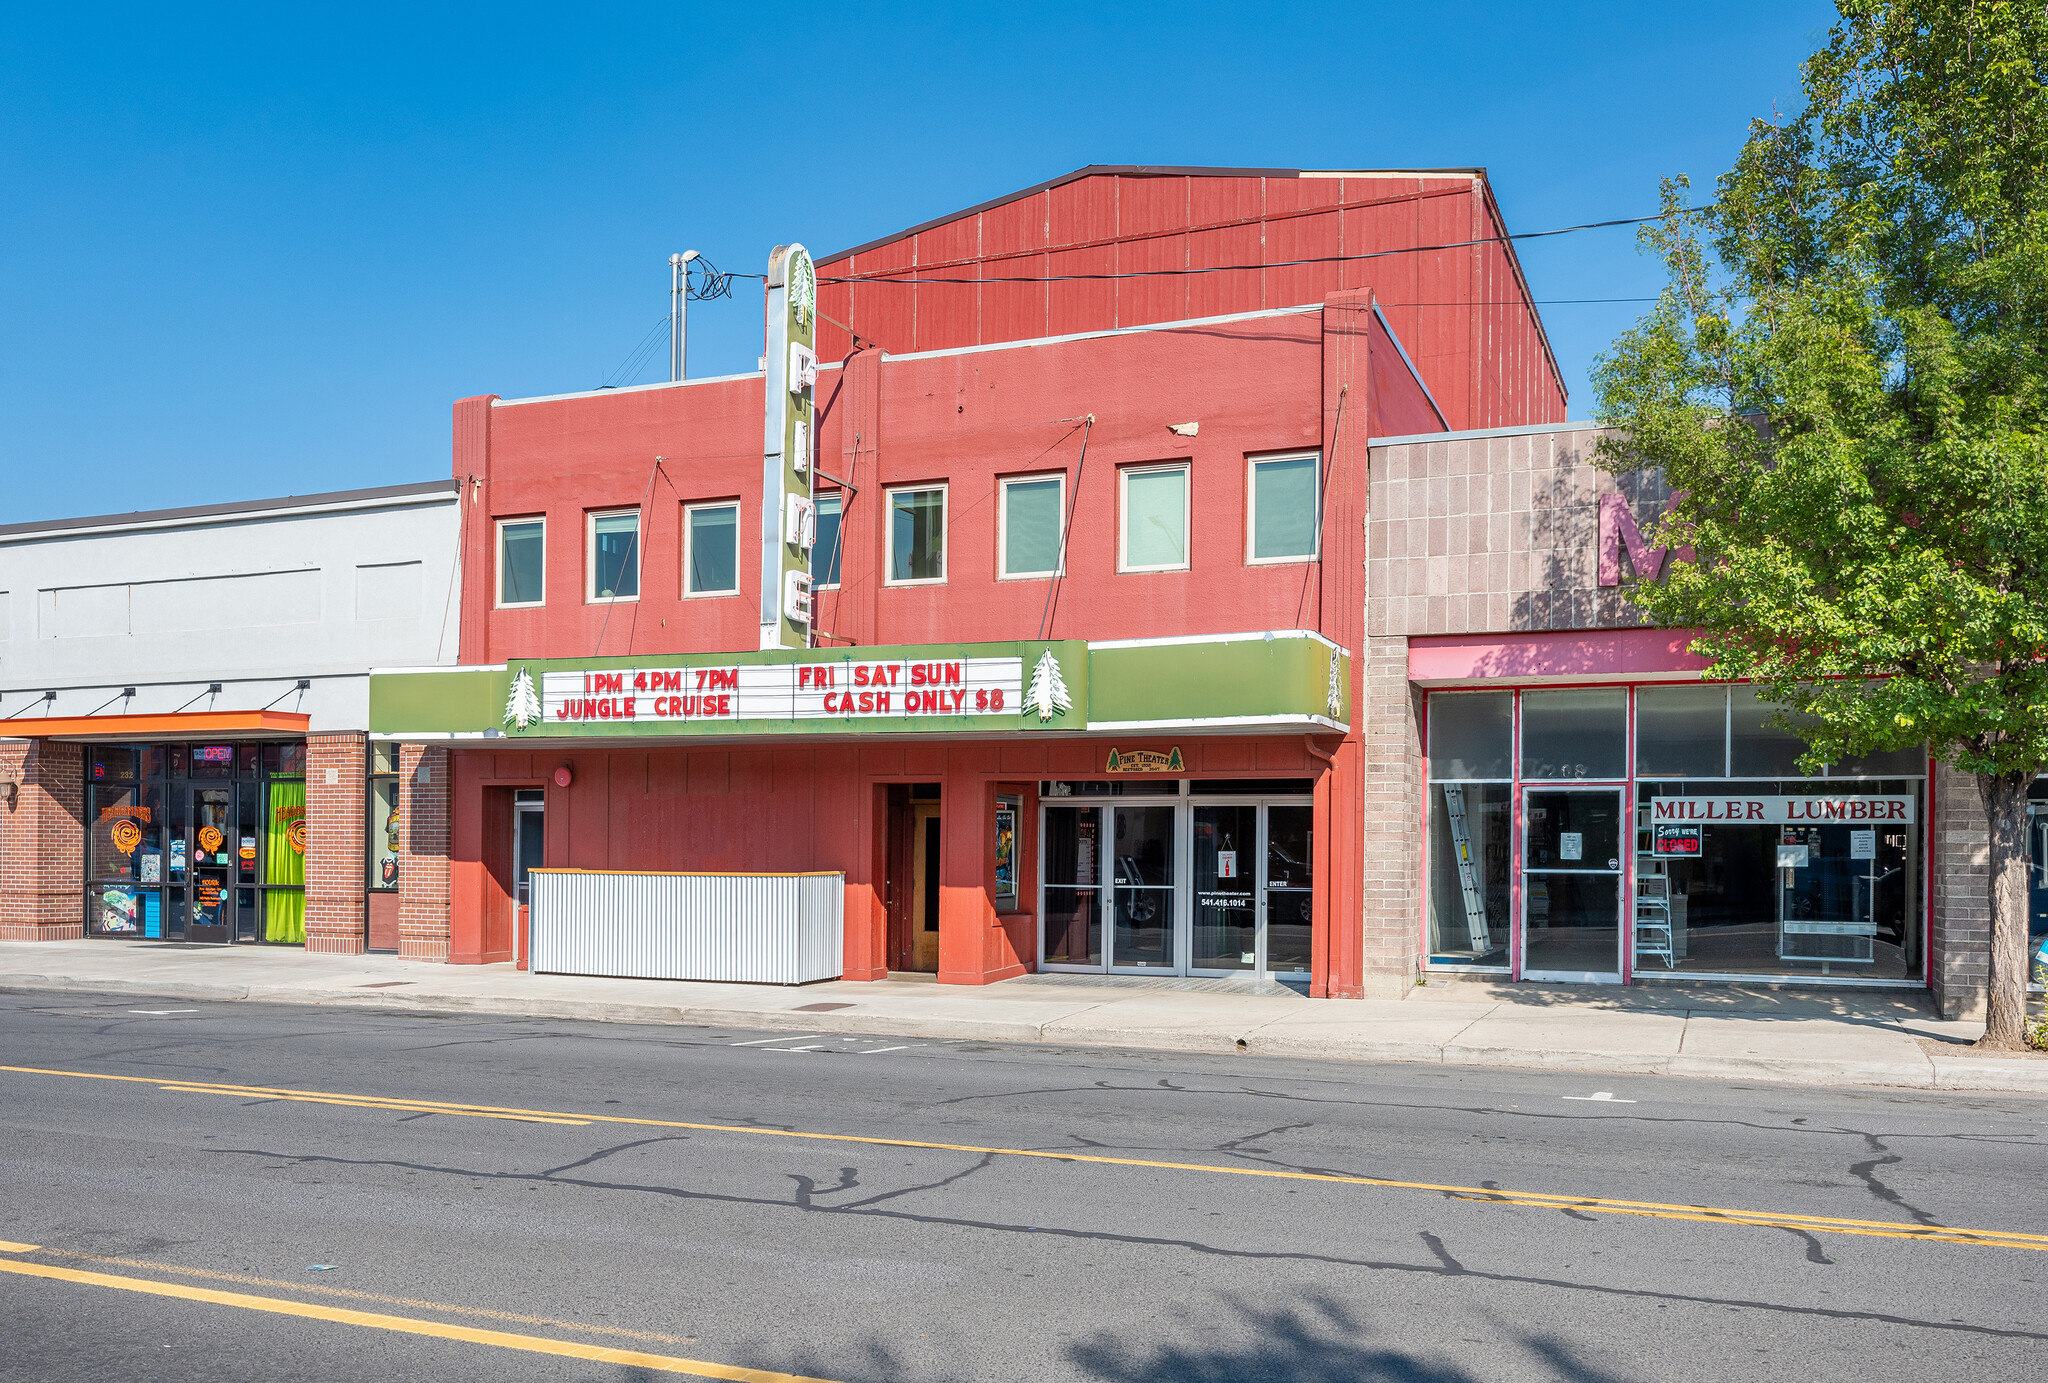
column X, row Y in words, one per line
column 423, row 852
column 1959, row 864
column 42, row 842
column 335, row 807
column 1393, row 803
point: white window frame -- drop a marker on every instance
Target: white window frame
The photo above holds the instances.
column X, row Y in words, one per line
column 1058, row 569
column 1251, row 517
column 889, row 533
column 502, row 603
column 838, row 497
column 1123, row 516
column 590, row 518
column 689, row 541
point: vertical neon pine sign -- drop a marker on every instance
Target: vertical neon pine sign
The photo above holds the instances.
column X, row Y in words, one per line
column 788, row 517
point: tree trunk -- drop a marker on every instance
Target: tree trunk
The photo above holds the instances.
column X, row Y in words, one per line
column 2005, row 810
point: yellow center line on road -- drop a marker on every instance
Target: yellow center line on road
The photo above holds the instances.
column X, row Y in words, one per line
column 1769, row 1219
column 351, row 1294
column 408, row 1325
column 9, row 1246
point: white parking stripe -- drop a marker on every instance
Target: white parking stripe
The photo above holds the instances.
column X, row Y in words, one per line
column 799, row 1037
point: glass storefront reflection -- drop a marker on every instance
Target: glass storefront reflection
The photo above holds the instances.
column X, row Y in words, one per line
column 1828, row 897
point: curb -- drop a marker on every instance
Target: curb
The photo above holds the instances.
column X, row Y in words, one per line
column 1956, row 1074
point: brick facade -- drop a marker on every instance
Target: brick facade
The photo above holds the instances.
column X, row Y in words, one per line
column 423, row 852
column 335, row 861
column 42, row 842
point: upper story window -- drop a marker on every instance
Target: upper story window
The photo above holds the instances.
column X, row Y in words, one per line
column 1028, row 538
column 1280, row 509
column 917, row 535
column 825, row 552
column 615, row 555
column 711, row 549
column 522, row 561
column 1154, row 535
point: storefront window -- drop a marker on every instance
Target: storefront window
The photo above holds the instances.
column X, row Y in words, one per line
column 381, row 831
column 284, row 860
column 1470, row 851
column 1575, row 734
column 1784, row 876
column 213, row 761
column 1471, row 735
column 1682, row 732
column 1772, row 873
column 1008, row 809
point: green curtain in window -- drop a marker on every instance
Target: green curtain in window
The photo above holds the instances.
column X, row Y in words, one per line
column 284, row 861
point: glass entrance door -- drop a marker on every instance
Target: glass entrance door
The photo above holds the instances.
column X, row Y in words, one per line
column 1226, row 932
column 1571, row 884
column 1144, row 930
column 211, row 841
column 1289, row 882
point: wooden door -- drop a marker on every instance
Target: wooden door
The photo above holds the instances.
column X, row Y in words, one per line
column 924, row 887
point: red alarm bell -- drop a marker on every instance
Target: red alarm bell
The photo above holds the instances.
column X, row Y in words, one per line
column 563, row 777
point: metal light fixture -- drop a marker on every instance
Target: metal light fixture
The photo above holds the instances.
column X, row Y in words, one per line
column 679, row 314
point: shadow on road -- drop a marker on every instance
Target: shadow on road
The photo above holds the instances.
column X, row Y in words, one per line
column 1317, row 1342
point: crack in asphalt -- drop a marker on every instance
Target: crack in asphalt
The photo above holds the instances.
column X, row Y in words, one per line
column 804, row 1202
column 1866, row 1172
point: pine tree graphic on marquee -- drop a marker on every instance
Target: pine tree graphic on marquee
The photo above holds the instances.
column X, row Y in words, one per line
column 1048, row 692
column 522, row 707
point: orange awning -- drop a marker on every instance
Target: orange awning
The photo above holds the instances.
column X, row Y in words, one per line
column 181, row 725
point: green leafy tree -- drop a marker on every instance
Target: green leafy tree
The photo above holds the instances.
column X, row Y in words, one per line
column 1847, row 379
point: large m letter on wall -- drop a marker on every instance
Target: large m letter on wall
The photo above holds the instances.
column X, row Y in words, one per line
column 1618, row 529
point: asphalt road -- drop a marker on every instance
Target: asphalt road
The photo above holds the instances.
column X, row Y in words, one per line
column 643, row 1189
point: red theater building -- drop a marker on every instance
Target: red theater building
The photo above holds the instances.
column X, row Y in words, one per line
column 1022, row 603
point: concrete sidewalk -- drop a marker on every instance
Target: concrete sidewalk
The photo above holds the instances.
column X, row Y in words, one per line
column 1833, row 1037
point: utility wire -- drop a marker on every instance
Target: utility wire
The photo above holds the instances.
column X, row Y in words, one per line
column 1282, row 264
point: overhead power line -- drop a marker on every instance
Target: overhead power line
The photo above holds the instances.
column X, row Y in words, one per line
column 1280, row 264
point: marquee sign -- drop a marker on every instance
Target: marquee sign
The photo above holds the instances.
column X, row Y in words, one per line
column 1151, row 692
column 857, row 689
column 1783, row 811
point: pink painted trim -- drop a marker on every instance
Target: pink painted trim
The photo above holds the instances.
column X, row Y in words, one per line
column 1579, row 654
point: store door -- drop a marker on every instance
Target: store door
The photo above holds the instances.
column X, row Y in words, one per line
column 1572, row 884
column 1145, row 916
column 1289, row 883
column 924, row 888
column 1226, row 928
column 211, row 843
column 529, row 843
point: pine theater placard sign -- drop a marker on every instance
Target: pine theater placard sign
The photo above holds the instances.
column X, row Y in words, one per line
column 789, row 520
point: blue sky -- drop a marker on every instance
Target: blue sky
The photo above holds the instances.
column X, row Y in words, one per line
column 258, row 251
